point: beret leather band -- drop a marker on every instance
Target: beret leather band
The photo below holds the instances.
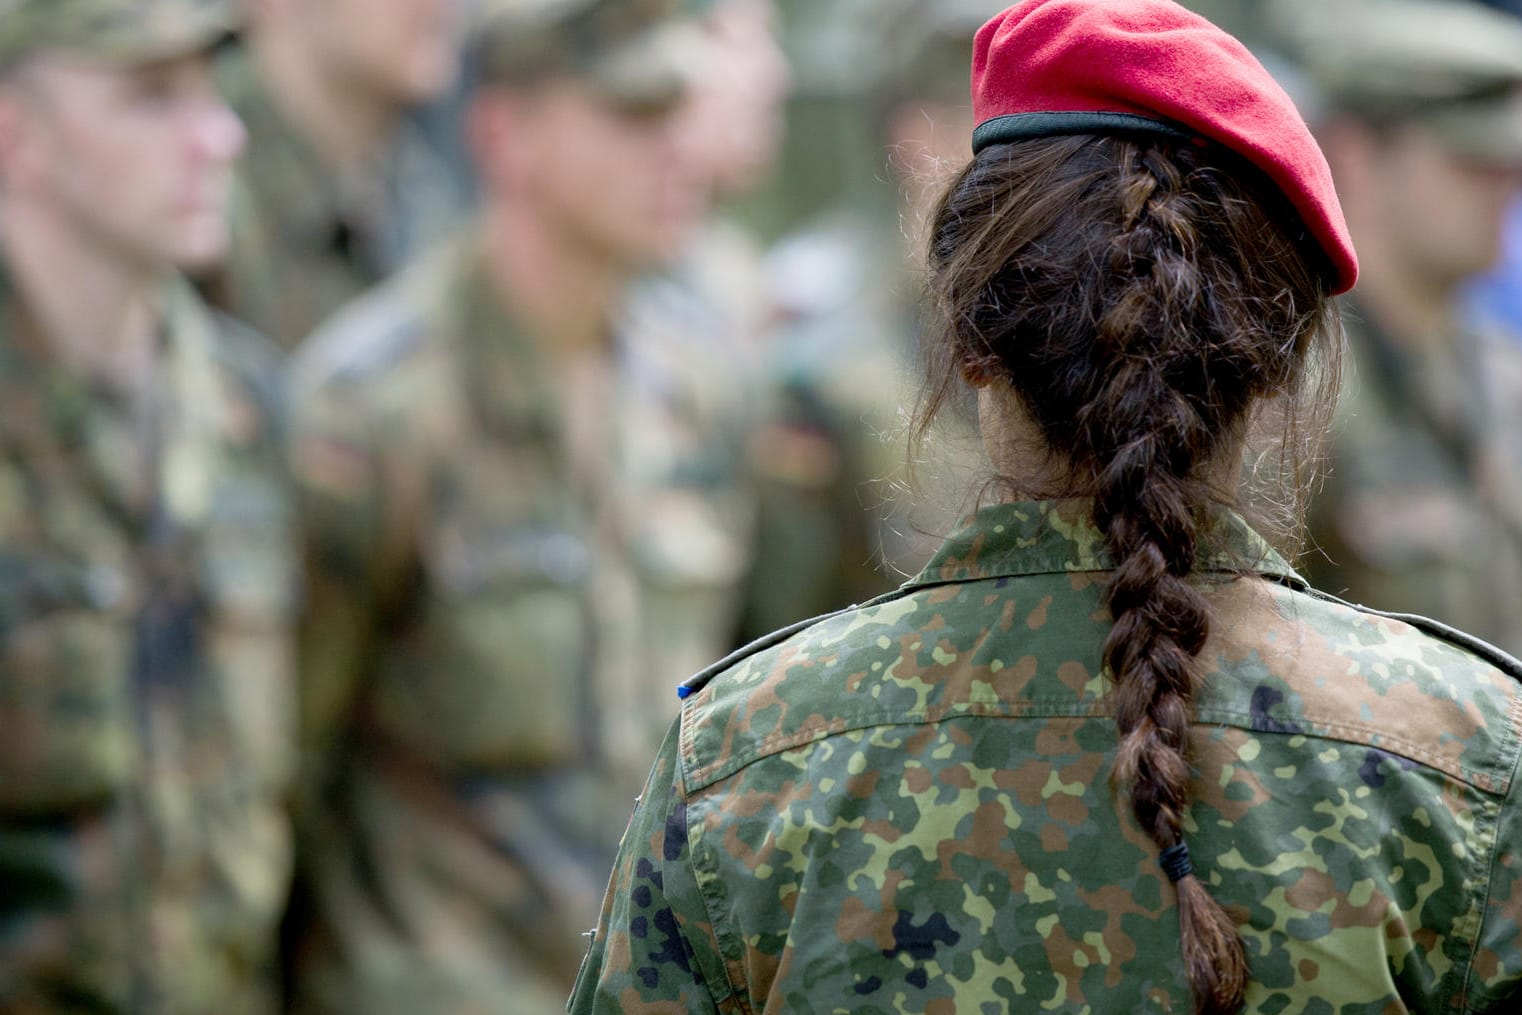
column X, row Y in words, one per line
column 1019, row 126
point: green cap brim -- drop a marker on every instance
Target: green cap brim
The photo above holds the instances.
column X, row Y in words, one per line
column 654, row 68
column 152, row 31
column 1487, row 133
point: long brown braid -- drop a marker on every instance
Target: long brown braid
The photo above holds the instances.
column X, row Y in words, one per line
column 1142, row 298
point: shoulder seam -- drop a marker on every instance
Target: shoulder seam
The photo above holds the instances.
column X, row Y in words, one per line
column 1496, row 657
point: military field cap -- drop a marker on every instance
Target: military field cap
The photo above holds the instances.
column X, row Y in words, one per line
column 634, row 52
column 124, row 31
column 1053, row 67
column 1454, row 67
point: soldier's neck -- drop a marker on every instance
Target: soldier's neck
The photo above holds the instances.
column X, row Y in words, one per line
column 91, row 310
column 551, row 285
column 346, row 126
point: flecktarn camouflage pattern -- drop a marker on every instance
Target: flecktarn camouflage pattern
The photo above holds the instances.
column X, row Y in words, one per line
column 905, row 807
column 146, row 600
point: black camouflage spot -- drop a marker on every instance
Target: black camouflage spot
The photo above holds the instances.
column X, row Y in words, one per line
column 649, row 975
column 638, row 928
column 1264, row 699
column 673, row 949
column 919, row 943
column 869, row 986
column 676, row 832
column 917, row 978
column 645, row 871
column 1370, row 772
column 641, row 896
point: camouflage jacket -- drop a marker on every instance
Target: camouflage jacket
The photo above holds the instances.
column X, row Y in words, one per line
column 1422, row 508
column 306, row 240
column 146, row 660
column 906, row 806
column 495, row 578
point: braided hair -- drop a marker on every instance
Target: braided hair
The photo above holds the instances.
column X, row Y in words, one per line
column 1144, row 300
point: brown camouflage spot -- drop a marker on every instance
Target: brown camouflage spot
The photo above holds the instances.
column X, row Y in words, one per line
column 1010, row 683
column 917, row 780
column 882, row 829
column 988, row 833
column 1026, row 781
column 1210, row 757
column 941, row 596
column 1037, row 618
column 858, row 923
column 941, row 1006
column 1082, row 581
column 1074, row 676
column 1054, row 838
column 1061, row 951
column 1116, row 903
column 957, row 776
column 1308, row 969
column 862, row 786
column 1054, row 739
column 1070, row 810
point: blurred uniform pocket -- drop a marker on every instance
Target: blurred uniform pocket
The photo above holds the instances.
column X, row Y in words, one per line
column 497, row 676
column 65, row 691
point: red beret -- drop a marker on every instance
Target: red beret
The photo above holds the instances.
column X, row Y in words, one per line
column 1049, row 67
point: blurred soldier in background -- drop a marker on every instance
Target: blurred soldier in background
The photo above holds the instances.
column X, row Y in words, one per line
column 688, row 358
column 842, row 353
column 1422, row 124
column 338, row 188
column 146, row 595
column 475, row 622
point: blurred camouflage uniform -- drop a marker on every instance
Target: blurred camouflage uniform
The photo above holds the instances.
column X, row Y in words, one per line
column 843, row 359
column 497, row 588
column 307, row 239
column 953, row 844
column 1422, row 507
column 145, row 649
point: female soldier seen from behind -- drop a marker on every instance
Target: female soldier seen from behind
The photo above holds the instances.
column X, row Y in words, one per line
column 1107, row 752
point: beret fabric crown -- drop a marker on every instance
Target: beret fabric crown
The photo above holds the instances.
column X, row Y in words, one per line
column 1050, row 67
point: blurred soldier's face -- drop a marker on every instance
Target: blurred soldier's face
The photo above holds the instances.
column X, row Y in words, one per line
column 737, row 111
column 406, row 51
column 1439, row 215
column 135, row 159
column 620, row 182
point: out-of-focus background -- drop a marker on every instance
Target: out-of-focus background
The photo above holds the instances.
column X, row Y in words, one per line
column 398, row 399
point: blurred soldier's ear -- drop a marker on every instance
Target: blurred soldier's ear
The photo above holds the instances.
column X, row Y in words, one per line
column 15, row 114
column 500, row 147
column 1354, row 150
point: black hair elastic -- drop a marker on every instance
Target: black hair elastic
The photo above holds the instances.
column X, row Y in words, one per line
column 1175, row 862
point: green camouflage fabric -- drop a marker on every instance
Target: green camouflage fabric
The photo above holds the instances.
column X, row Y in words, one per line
column 305, row 240
column 1422, row 507
column 906, row 807
column 146, row 678
column 499, row 553
column 132, row 31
